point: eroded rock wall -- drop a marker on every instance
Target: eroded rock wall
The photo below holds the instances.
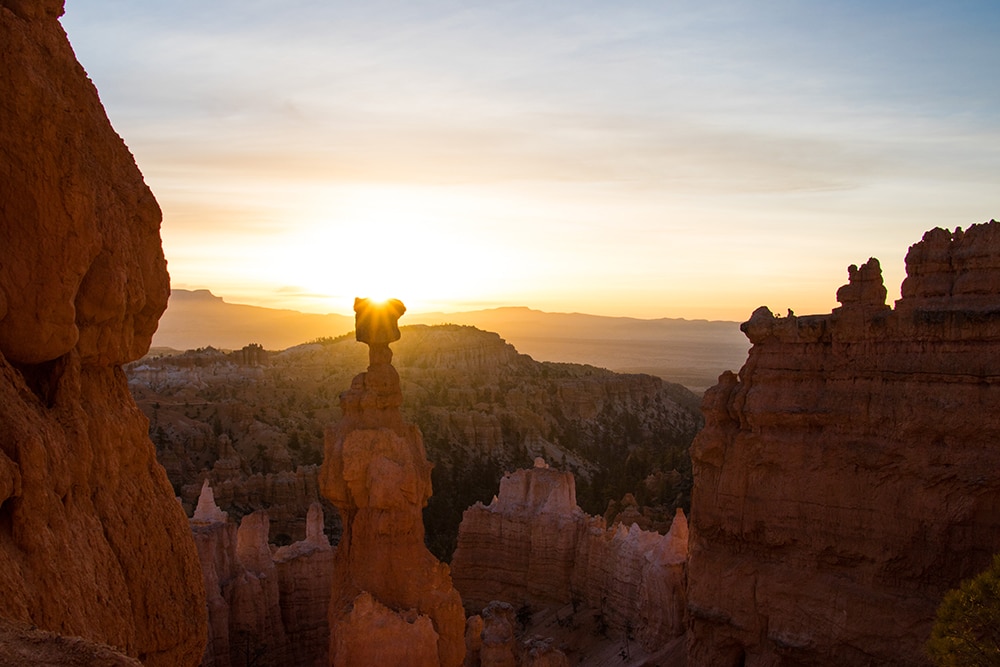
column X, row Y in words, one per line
column 850, row 474
column 267, row 606
column 533, row 545
column 92, row 540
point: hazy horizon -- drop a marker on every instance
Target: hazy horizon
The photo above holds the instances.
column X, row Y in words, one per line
column 423, row 312
column 644, row 159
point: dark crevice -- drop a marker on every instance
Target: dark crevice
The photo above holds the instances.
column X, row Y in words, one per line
column 42, row 379
column 7, row 516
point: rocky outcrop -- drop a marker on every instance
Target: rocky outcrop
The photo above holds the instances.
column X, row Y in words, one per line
column 305, row 574
column 92, row 541
column 850, row 474
column 284, row 494
column 267, row 606
column 522, row 547
column 533, row 546
column 392, row 601
column 25, row 646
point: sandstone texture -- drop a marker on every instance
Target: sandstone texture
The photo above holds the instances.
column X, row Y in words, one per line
column 533, row 547
column 392, row 602
column 26, row 646
column 305, row 574
column 92, row 540
column 850, row 474
column 267, row 606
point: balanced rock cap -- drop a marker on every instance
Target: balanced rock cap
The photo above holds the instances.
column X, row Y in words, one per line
column 376, row 322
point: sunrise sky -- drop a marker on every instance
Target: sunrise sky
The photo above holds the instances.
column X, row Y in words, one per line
column 651, row 159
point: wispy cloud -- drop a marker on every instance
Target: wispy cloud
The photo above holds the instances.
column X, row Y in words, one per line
column 781, row 127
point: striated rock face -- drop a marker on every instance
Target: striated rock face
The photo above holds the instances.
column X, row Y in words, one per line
column 305, row 574
column 849, row 475
column 392, row 601
column 266, row 607
column 533, row 545
column 92, row 541
column 522, row 546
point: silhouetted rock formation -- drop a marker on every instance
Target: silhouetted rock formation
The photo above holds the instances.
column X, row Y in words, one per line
column 532, row 545
column 850, row 475
column 92, row 541
column 392, row 601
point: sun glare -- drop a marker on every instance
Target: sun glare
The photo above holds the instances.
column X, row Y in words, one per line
column 382, row 243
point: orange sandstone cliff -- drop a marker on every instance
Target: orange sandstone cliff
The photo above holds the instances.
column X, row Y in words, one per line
column 92, row 541
column 392, row 602
column 850, row 474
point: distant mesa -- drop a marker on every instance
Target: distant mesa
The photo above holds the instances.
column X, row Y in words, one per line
column 196, row 295
column 198, row 318
column 689, row 352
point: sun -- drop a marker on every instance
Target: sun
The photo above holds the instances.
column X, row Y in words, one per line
column 390, row 242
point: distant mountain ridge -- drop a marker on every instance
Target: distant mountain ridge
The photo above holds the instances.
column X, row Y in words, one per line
column 691, row 352
column 198, row 318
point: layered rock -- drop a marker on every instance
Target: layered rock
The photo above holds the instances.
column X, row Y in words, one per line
column 849, row 475
column 266, row 606
column 92, row 541
column 305, row 574
column 532, row 545
column 392, row 602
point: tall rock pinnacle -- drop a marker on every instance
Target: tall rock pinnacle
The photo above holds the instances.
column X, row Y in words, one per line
column 392, row 602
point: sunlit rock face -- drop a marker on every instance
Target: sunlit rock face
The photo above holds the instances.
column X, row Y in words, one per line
column 92, row 540
column 391, row 599
column 850, row 474
column 534, row 545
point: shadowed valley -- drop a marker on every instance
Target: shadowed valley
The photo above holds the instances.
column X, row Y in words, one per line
column 251, row 422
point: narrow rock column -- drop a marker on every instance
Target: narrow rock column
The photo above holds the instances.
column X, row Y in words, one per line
column 375, row 471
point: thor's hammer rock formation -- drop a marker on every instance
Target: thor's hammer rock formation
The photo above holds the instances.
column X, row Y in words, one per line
column 392, row 602
column 92, row 540
column 850, row 474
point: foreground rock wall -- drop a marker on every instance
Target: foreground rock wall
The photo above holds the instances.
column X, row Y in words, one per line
column 92, row 540
column 533, row 545
column 850, row 474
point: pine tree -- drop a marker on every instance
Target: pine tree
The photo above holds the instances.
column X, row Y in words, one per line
column 966, row 632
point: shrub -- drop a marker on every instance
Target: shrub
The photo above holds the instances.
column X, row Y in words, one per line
column 966, row 631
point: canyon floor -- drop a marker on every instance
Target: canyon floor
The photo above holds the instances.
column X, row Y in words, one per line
column 587, row 642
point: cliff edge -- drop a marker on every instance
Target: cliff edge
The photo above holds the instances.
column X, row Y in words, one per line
column 850, row 474
column 92, row 541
